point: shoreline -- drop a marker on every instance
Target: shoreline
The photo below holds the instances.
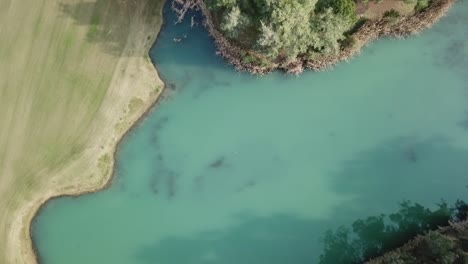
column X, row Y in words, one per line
column 370, row 31
column 149, row 105
column 453, row 230
column 111, row 175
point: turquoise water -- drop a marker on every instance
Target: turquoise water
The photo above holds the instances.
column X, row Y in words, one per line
column 234, row 168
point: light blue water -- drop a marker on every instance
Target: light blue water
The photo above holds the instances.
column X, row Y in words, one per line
column 234, row 168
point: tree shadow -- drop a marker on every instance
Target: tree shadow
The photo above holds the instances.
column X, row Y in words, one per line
column 464, row 123
column 285, row 238
column 276, row 239
column 109, row 22
column 375, row 235
column 407, row 168
column 186, row 49
column 402, row 166
column 420, row 170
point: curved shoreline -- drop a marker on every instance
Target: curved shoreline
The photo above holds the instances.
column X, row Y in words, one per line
column 107, row 179
column 370, row 31
column 111, row 175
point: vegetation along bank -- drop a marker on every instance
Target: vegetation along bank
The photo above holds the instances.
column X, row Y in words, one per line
column 263, row 35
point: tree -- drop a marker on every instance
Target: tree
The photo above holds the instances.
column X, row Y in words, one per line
column 283, row 30
column 286, row 30
column 218, row 4
column 344, row 8
column 234, row 22
column 330, row 28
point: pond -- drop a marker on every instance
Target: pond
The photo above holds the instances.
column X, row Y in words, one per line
column 235, row 168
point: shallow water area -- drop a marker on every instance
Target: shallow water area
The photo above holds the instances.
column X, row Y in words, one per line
column 234, row 168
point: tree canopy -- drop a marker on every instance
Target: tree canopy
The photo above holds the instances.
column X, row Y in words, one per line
column 285, row 29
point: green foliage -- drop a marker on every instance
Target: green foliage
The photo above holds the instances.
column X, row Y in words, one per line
column 461, row 211
column 355, row 28
column 348, row 42
column 421, row 5
column 233, row 22
column 217, row 4
column 339, row 247
column 343, row 8
column 284, row 30
column 330, row 31
column 253, row 59
column 249, row 59
column 440, row 247
column 392, row 13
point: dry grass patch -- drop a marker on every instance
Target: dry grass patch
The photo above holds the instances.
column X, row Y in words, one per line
column 374, row 9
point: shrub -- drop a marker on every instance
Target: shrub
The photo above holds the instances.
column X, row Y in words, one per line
column 355, row 28
column 392, row 13
column 348, row 42
column 343, row 8
column 440, row 247
column 421, row 5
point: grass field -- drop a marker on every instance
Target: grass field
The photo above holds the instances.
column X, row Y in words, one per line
column 70, row 71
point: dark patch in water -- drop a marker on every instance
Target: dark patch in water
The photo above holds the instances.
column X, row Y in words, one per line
column 201, row 90
column 154, row 140
column 251, row 240
column 464, row 123
column 251, row 184
column 222, row 84
column 185, row 81
column 247, row 185
column 198, row 181
column 217, row 163
column 411, row 155
column 165, row 95
column 210, row 76
column 161, row 122
column 454, row 56
column 155, row 184
column 160, row 157
column 122, row 187
column 172, row 86
column 171, row 185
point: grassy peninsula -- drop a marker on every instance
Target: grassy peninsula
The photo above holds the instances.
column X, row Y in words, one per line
column 74, row 76
column 263, row 35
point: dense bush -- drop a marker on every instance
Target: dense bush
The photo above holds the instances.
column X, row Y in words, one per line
column 392, row 13
column 343, row 8
column 421, row 5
